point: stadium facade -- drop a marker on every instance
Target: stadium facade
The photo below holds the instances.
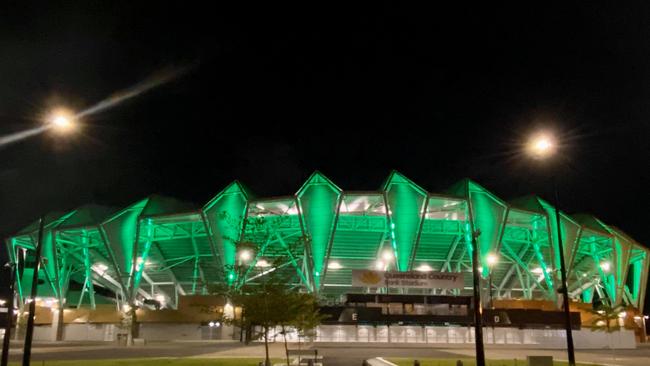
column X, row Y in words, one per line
column 160, row 252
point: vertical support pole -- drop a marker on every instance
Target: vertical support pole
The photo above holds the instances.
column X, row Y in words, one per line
column 27, row 350
column 478, row 313
column 195, row 275
column 564, row 287
column 81, row 296
column 10, row 315
column 89, row 277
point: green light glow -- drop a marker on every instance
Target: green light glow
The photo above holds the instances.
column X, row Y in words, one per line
column 540, row 257
column 319, row 199
column 405, row 201
column 488, row 214
column 225, row 218
column 142, row 259
column 351, row 231
column 570, row 233
column 120, row 232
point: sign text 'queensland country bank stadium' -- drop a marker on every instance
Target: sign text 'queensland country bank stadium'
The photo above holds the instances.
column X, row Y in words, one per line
column 410, row 279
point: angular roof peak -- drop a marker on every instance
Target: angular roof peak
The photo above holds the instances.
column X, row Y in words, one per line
column 591, row 222
column 235, row 187
column 51, row 218
column 396, row 177
column 160, row 205
column 530, row 203
column 318, row 178
column 88, row 215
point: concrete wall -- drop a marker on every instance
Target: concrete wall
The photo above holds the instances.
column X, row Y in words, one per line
column 90, row 332
column 540, row 338
column 170, row 331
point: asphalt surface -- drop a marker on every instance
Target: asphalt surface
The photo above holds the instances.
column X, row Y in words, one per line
column 348, row 354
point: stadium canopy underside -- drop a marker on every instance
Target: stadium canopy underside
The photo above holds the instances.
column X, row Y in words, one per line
column 160, row 248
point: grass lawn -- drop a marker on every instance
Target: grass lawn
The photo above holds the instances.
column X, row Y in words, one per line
column 466, row 362
column 155, row 362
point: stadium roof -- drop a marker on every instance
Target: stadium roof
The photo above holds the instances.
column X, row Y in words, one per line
column 160, row 247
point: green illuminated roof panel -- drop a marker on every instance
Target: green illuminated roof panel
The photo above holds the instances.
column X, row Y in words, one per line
column 405, row 201
column 345, row 230
column 319, row 200
column 225, row 218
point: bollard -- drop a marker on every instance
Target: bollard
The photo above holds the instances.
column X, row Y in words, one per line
column 416, row 363
column 459, row 363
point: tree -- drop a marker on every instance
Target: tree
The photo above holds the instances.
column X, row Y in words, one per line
column 269, row 301
column 266, row 306
column 307, row 316
column 606, row 318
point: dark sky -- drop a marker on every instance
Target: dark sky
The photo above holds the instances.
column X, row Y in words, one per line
column 353, row 90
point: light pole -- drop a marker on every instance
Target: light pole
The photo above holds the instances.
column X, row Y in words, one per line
column 61, row 121
column 27, row 349
column 10, row 314
column 478, row 310
column 542, row 147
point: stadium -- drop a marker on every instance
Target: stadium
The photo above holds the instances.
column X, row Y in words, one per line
column 162, row 256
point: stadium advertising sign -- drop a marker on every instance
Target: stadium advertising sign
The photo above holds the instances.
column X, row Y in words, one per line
column 411, row 279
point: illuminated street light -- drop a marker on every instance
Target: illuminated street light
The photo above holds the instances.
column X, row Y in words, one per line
column 61, row 121
column 424, row 268
column 541, row 146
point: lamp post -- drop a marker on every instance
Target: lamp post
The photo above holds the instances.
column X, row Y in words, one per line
column 541, row 147
column 10, row 314
column 61, row 121
column 478, row 309
column 27, row 349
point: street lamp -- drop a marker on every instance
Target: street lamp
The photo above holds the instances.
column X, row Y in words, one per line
column 541, row 147
column 10, row 313
column 61, row 121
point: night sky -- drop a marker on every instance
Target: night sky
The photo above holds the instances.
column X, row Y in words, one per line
column 272, row 93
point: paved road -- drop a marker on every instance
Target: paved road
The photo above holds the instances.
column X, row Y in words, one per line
column 334, row 354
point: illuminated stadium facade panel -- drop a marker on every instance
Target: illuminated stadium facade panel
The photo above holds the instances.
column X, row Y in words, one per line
column 159, row 248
